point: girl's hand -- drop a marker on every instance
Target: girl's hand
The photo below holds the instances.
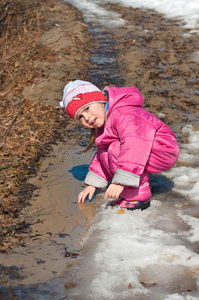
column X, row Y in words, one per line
column 114, row 191
column 89, row 190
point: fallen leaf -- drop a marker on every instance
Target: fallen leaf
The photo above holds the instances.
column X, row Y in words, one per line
column 148, row 284
column 20, row 237
column 69, row 285
column 121, row 211
column 40, row 261
column 130, row 286
column 40, row 221
column 71, row 254
column 5, row 245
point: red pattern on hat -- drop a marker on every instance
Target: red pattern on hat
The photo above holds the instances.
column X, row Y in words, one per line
column 82, row 99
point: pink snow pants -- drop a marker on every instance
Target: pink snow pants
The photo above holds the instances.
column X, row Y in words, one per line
column 162, row 157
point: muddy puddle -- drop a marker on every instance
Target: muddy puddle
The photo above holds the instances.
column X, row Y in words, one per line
column 57, row 225
column 61, row 260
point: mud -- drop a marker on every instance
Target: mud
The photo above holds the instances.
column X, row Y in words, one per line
column 56, row 222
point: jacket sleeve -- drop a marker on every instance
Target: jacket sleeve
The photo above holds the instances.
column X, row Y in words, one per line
column 136, row 137
column 97, row 175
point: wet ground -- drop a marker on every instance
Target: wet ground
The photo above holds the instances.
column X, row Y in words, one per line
column 153, row 54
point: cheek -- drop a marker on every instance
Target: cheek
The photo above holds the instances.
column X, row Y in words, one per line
column 82, row 121
column 85, row 124
column 101, row 114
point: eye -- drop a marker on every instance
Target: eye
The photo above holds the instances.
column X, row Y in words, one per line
column 87, row 108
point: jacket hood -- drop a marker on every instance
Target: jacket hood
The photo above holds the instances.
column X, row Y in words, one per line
column 124, row 96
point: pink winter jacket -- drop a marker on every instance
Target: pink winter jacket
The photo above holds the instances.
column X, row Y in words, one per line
column 132, row 142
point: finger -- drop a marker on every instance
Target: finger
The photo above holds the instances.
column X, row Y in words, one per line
column 84, row 197
column 90, row 195
column 106, row 194
column 81, row 197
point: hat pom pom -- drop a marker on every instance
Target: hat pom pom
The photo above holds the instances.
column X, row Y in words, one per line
column 61, row 104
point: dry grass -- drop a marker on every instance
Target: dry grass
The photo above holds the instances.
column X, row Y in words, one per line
column 27, row 129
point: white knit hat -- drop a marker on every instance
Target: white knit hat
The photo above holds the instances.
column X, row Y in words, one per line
column 83, row 91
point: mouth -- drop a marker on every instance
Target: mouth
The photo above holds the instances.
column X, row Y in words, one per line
column 93, row 122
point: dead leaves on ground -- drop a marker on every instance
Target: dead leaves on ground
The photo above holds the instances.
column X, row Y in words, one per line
column 26, row 134
column 121, row 211
column 26, row 129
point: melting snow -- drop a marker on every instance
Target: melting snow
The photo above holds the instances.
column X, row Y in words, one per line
column 150, row 254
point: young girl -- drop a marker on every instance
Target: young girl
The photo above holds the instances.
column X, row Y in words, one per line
column 131, row 142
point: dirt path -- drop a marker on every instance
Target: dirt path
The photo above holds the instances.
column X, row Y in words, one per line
column 158, row 59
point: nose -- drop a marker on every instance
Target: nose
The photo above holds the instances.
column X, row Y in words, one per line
column 86, row 116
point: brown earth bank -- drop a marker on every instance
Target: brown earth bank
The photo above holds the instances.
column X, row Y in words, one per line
column 44, row 44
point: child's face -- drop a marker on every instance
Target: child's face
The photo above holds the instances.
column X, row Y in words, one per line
column 92, row 115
